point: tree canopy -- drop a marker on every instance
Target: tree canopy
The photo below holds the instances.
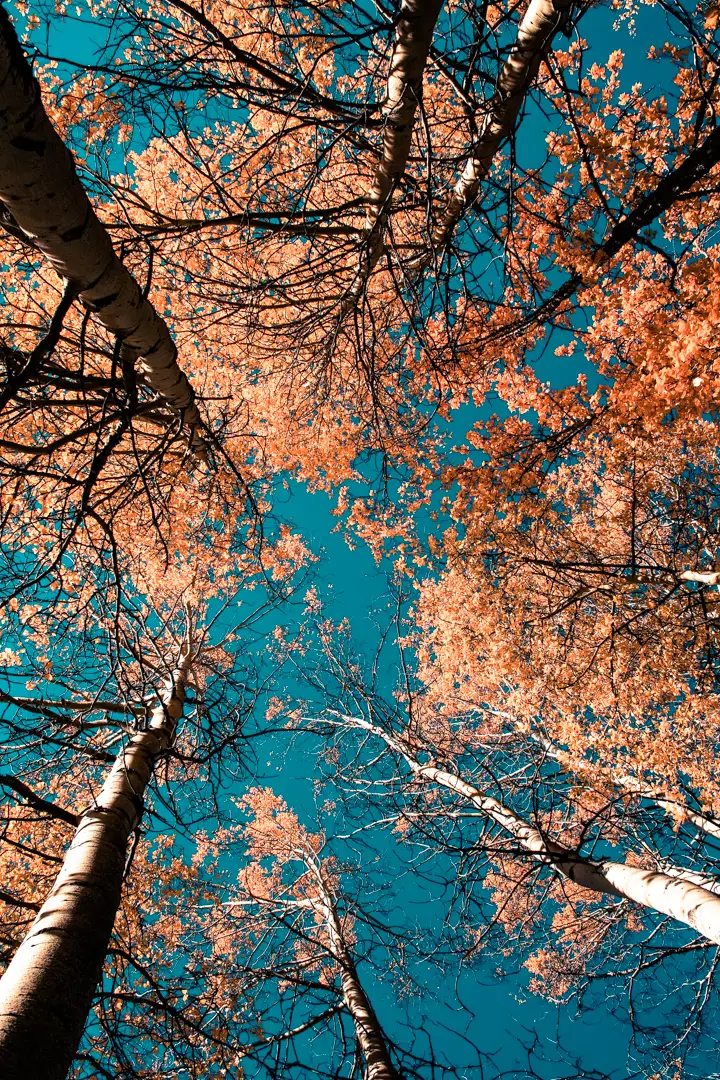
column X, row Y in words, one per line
column 359, row 522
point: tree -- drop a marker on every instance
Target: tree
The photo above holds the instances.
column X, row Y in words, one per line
column 561, row 867
column 47, row 989
column 321, row 393
column 46, row 204
column 67, row 426
column 603, row 583
column 275, row 832
column 43, row 1015
column 289, row 199
column 47, row 212
column 277, row 954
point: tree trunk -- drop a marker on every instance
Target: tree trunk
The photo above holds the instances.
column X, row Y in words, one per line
column 676, row 895
column 368, row 1031
column 41, row 189
column 47, row 990
column 535, row 33
column 413, row 37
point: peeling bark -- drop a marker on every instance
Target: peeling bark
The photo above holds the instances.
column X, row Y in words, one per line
column 47, row 990
column 39, row 186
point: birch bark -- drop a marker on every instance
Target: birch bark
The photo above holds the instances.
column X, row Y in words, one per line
column 413, row 37
column 535, row 33
column 369, row 1033
column 676, row 895
column 41, row 189
column 47, row 990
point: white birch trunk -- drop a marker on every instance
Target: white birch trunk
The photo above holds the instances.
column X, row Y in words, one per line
column 535, row 33
column 677, row 896
column 368, row 1031
column 47, row 990
column 413, row 37
column 40, row 187
column 703, row 577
